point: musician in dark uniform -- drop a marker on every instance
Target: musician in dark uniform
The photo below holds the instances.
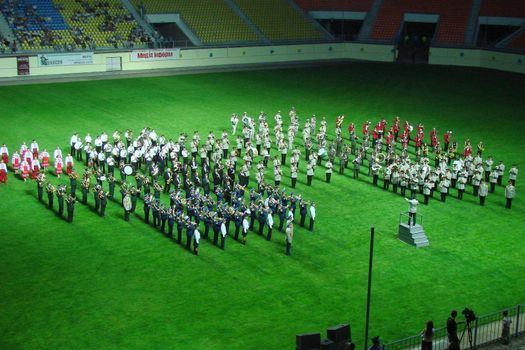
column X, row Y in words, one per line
column 85, row 188
column 282, row 216
column 50, row 189
column 302, row 212
column 180, row 226
column 73, row 180
column 171, row 222
column 163, row 219
column 237, row 218
column 207, row 222
column 216, row 229
column 147, row 204
column 96, row 190
column 262, row 220
column 60, row 199
column 70, row 200
column 134, row 195
column 154, row 211
column 103, row 202
column 40, row 180
column 190, row 227
column 111, row 183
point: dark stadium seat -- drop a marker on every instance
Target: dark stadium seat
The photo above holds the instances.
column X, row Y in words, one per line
column 335, row 5
column 499, row 8
column 453, row 17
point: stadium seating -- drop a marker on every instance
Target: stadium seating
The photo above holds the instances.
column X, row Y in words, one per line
column 278, row 20
column 335, row 5
column 212, row 20
column 68, row 24
column 110, row 25
column 499, row 8
column 453, row 18
column 518, row 43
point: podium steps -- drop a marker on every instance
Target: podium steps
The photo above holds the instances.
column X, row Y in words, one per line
column 413, row 235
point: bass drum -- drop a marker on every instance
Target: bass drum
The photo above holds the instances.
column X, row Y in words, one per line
column 128, row 170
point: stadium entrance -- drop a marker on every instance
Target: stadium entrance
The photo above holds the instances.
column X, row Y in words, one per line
column 415, row 38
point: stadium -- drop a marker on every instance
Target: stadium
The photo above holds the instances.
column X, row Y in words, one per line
column 262, row 174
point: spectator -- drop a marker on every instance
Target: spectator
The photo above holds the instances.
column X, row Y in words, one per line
column 505, row 328
column 427, row 336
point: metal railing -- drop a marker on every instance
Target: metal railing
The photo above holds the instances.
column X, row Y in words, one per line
column 404, row 218
column 486, row 329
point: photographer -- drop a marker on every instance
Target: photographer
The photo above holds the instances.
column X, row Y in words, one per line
column 452, row 331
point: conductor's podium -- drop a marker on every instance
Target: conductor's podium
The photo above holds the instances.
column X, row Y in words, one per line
column 412, row 234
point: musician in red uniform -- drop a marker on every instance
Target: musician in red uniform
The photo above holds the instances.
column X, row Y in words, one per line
column 58, row 166
column 396, row 127
column 15, row 161
column 44, row 156
column 366, row 127
column 69, row 164
column 36, row 168
column 351, row 128
column 446, row 139
column 34, row 149
column 3, row 172
column 25, row 169
column 4, row 152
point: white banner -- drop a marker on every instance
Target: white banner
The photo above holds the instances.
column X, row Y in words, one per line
column 65, row 59
column 154, row 55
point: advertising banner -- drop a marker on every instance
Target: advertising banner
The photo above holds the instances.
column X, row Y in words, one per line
column 65, row 59
column 154, row 55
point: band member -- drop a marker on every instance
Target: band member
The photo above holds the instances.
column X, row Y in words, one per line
column 61, row 191
column 70, row 200
column 40, row 181
column 69, row 164
column 126, row 203
column 196, row 241
column 510, row 192
column 58, row 166
column 245, row 226
column 147, row 204
column 269, row 222
column 103, row 202
column 289, row 234
column 513, row 174
column 312, row 216
column 15, row 161
column 26, row 168
column 35, row 164
column 4, row 154
column 3, row 172
column 34, row 149
column 44, row 157
column 85, row 188
column 483, row 192
column 223, row 234
column 50, row 189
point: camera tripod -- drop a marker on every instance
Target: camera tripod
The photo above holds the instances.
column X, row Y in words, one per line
column 468, row 329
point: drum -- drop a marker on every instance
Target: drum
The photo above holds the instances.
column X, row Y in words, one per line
column 322, row 152
column 128, row 170
column 102, row 178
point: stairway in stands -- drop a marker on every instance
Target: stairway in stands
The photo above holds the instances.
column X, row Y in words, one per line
column 370, row 19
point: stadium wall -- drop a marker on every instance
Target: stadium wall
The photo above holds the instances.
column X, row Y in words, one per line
column 216, row 57
column 510, row 62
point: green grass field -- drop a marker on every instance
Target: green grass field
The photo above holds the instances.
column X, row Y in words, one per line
column 103, row 283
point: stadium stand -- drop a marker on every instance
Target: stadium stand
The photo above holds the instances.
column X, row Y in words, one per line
column 278, row 20
column 499, row 8
column 453, row 17
column 211, row 20
column 335, row 5
column 70, row 24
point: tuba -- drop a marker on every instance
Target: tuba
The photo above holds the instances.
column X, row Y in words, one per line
column 380, row 158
